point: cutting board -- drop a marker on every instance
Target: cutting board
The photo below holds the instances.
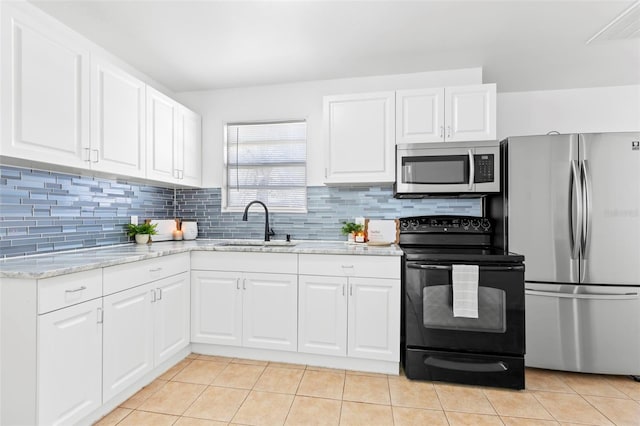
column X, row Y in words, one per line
column 165, row 229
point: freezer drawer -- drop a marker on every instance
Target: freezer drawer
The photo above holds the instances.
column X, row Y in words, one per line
column 591, row 329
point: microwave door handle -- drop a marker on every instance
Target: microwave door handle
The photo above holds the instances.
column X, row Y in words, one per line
column 472, row 169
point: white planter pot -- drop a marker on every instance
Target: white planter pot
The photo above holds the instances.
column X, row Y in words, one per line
column 142, row 238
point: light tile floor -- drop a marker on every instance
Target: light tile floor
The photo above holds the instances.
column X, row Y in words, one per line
column 207, row 390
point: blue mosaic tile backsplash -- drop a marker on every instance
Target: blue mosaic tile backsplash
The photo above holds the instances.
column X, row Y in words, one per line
column 327, row 208
column 43, row 211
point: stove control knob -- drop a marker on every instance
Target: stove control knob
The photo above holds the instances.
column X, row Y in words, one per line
column 414, row 223
column 433, row 223
column 465, row 223
column 475, row 223
column 404, row 224
column 485, row 224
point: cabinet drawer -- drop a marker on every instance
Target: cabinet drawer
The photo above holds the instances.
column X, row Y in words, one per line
column 122, row 277
column 345, row 265
column 283, row 263
column 66, row 290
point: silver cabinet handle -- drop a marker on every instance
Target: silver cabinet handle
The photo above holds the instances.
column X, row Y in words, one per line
column 343, row 289
column 244, row 284
column 180, row 174
column 448, row 132
column 159, row 294
column 153, row 296
column 88, row 154
column 155, row 269
column 97, row 152
column 347, row 266
column 350, row 289
column 100, row 316
column 441, row 132
column 472, row 169
column 237, row 283
column 75, row 290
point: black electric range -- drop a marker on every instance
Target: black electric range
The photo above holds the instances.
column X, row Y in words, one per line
column 484, row 348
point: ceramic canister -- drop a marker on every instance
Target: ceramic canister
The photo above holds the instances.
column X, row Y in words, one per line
column 189, row 230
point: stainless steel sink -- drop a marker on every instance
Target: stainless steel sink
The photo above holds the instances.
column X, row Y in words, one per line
column 257, row 243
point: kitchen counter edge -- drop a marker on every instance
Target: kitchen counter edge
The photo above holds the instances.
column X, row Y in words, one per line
column 60, row 263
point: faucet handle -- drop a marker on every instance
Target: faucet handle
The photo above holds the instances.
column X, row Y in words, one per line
column 271, row 233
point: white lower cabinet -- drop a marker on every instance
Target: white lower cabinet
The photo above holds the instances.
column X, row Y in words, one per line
column 69, row 363
column 346, row 315
column 256, row 307
column 245, row 309
column 128, row 338
column 143, row 326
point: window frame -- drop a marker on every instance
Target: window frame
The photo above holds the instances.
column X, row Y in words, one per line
column 225, row 208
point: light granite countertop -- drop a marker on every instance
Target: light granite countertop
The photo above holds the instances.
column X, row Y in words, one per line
column 60, row 263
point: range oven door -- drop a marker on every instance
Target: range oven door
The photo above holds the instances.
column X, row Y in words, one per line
column 429, row 319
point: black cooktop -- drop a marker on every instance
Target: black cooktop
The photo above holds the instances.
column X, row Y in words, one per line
column 451, row 238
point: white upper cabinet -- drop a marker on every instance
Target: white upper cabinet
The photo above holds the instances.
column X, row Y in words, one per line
column 470, row 113
column 117, row 120
column 45, row 90
column 174, row 141
column 189, row 148
column 451, row 114
column 162, row 116
column 419, row 115
column 359, row 137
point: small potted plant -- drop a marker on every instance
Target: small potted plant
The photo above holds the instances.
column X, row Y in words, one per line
column 141, row 232
column 350, row 229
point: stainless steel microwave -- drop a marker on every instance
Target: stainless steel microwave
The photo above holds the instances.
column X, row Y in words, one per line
column 456, row 168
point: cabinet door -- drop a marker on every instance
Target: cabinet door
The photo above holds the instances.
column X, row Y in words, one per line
column 374, row 318
column 470, row 113
column 162, row 113
column 69, row 363
column 270, row 311
column 45, row 90
column 128, row 338
column 172, row 316
column 322, row 315
column 420, row 115
column 360, row 138
column 117, row 120
column 189, row 148
column 216, row 308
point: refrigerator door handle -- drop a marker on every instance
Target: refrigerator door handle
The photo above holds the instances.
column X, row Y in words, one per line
column 625, row 296
column 586, row 225
column 575, row 229
column 472, row 169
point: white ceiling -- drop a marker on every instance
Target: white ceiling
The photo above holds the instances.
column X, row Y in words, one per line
column 198, row 45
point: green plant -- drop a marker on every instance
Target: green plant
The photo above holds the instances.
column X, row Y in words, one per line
column 144, row 228
column 350, row 228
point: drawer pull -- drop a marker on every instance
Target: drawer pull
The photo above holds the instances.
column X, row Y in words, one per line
column 347, row 266
column 75, row 290
column 155, row 269
column 100, row 316
column 159, row 294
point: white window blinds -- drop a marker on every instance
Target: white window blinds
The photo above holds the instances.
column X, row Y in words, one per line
column 267, row 162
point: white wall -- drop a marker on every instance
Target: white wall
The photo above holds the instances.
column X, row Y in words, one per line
column 599, row 109
column 295, row 101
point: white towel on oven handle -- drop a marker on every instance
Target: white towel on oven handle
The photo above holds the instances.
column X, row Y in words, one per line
column 465, row 290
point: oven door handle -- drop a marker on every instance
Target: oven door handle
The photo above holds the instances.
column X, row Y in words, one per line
column 476, row 367
column 448, row 267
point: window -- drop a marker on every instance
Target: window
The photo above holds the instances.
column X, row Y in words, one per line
column 266, row 162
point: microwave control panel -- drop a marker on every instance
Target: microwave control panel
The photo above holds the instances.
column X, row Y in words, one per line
column 483, row 164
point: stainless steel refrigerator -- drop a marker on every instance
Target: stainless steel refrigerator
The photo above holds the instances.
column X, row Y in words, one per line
column 573, row 210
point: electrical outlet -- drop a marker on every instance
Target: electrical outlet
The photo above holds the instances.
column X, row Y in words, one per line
column 134, row 220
